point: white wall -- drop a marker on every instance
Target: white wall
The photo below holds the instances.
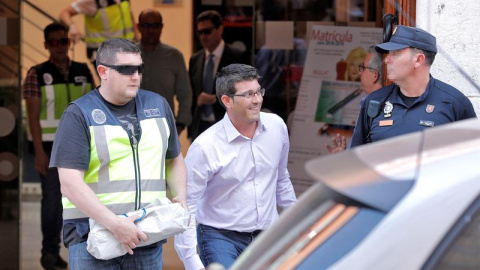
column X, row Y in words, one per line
column 455, row 25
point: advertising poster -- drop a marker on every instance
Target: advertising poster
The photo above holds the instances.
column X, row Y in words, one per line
column 330, row 92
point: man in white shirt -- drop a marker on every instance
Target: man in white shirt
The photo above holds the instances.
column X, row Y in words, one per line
column 237, row 174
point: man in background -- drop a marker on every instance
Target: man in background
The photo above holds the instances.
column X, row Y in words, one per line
column 165, row 72
column 371, row 78
column 416, row 100
column 103, row 20
column 48, row 88
column 203, row 66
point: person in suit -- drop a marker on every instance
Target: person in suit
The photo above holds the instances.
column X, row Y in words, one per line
column 203, row 66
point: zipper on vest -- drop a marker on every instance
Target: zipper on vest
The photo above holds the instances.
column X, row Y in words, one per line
column 136, row 165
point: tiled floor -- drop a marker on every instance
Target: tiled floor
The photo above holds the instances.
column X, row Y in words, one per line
column 30, row 241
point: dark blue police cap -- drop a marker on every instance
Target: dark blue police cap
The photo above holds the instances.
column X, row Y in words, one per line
column 405, row 36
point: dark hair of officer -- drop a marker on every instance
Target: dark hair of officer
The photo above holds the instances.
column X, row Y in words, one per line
column 108, row 50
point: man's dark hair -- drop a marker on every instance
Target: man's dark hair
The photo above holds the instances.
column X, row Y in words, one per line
column 150, row 11
column 231, row 75
column 429, row 56
column 55, row 26
column 108, row 50
column 212, row 16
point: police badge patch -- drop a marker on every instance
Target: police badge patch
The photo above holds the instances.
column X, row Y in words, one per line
column 387, row 109
column 99, row 116
column 47, row 78
column 430, row 108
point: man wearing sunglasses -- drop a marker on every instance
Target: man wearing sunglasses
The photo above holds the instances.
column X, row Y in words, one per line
column 116, row 151
column 165, row 71
column 47, row 90
column 237, row 174
column 203, row 66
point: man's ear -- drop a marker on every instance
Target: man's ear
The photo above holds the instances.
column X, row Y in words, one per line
column 227, row 101
column 102, row 72
column 420, row 60
column 375, row 76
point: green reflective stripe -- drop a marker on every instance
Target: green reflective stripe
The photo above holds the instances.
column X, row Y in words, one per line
column 91, row 175
column 49, row 130
column 161, row 124
column 102, row 152
column 127, row 185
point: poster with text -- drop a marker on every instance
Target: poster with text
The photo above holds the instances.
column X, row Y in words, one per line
column 330, row 92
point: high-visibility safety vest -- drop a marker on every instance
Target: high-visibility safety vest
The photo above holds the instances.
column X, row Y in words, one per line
column 112, row 20
column 57, row 93
column 125, row 176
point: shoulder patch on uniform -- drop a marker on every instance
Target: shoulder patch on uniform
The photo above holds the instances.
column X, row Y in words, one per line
column 99, row 116
column 151, row 112
column 47, row 78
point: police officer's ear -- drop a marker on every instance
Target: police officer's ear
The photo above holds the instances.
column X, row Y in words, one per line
column 102, row 71
column 419, row 60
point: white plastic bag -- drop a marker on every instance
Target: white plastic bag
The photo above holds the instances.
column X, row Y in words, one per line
column 160, row 220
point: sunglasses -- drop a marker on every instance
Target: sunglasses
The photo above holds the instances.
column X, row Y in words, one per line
column 150, row 25
column 126, row 69
column 206, row 31
column 58, row 42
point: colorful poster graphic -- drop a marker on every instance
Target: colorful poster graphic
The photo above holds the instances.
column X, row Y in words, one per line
column 330, row 93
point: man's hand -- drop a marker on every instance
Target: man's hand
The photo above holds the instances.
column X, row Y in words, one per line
column 127, row 233
column 206, row 99
column 41, row 162
column 339, row 144
column 182, row 201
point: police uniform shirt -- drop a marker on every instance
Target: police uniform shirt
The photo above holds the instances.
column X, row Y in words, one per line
column 439, row 104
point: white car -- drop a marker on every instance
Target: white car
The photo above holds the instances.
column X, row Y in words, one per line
column 410, row 202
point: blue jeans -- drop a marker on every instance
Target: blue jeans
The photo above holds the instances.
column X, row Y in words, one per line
column 51, row 208
column 144, row 258
column 222, row 246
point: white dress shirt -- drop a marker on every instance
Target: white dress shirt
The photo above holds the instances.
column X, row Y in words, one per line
column 235, row 182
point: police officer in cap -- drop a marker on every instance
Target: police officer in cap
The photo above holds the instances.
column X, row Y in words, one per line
column 416, row 100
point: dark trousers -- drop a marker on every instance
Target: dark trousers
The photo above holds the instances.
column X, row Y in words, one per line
column 222, row 246
column 51, row 209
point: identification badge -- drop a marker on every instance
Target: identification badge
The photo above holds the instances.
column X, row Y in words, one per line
column 426, row 123
column 384, row 123
column 387, row 109
column 430, row 108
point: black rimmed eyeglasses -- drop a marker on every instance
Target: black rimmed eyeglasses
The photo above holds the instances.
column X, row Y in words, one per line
column 251, row 94
column 125, row 69
column 361, row 68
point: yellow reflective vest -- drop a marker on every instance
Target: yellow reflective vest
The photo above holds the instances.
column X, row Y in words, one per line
column 112, row 20
column 58, row 93
column 124, row 175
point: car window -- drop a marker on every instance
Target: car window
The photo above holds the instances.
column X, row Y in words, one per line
column 460, row 248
